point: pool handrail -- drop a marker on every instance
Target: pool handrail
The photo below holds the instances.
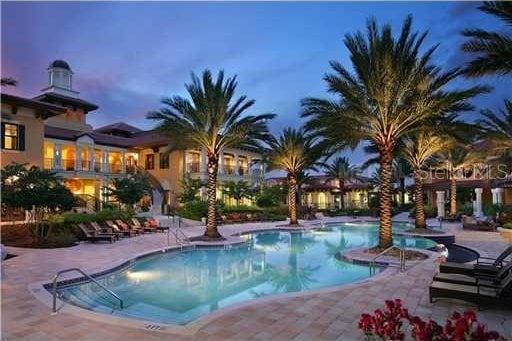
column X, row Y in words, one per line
column 54, row 281
column 382, row 253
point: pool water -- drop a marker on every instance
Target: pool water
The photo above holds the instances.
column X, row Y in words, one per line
column 177, row 287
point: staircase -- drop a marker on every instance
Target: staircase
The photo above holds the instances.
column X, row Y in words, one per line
column 88, row 203
column 157, row 191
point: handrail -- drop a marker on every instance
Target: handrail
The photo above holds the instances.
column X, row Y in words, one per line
column 382, row 253
column 54, row 306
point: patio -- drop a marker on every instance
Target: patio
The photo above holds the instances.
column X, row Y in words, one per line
column 327, row 315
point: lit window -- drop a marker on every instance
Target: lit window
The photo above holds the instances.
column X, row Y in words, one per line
column 13, row 136
column 150, row 161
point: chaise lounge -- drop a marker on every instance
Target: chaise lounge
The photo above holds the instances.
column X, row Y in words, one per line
column 91, row 237
column 484, row 264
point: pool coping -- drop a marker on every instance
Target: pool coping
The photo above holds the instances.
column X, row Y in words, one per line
column 39, row 289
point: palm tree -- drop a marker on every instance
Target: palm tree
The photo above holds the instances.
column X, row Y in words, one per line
column 211, row 120
column 498, row 127
column 341, row 169
column 293, row 151
column 394, row 89
column 419, row 148
column 8, row 82
column 455, row 159
column 493, row 49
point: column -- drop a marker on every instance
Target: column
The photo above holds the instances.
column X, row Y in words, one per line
column 221, row 162
column 78, row 158
column 57, row 156
column 91, row 159
column 104, row 161
column 237, row 166
column 204, row 161
column 123, row 162
column 499, row 195
column 440, row 203
column 249, row 165
column 478, row 203
column 494, row 192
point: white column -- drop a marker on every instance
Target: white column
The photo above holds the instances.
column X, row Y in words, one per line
column 499, row 195
column 78, row 158
column 204, row 161
column 237, row 166
column 494, row 192
column 104, row 161
column 221, row 163
column 57, row 156
column 91, row 159
column 123, row 162
column 440, row 203
column 478, row 202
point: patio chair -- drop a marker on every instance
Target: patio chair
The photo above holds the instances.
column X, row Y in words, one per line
column 125, row 226
column 482, row 294
column 125, row 232
column 477, row 276
column 97, row 229
column 484, row 264
column 147, row 227
column 91, row 237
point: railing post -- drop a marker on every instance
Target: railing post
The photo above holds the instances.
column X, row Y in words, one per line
column 54, row 305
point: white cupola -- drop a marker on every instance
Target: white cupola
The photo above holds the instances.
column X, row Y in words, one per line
column 60, row 79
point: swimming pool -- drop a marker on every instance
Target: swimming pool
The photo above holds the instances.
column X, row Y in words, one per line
column 177, row 287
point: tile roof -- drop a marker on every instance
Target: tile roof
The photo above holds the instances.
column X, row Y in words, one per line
column 54, row 97
column 118, row 126
column 50, row 109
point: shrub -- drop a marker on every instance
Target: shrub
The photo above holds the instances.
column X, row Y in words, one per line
column 507, row 226
column 195, row 210
column 387, row 325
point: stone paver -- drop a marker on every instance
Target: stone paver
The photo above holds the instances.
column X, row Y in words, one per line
column 329, row 315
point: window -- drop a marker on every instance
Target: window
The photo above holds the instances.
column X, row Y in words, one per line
column 150, row 161
column 164, row 160
column 13, row 136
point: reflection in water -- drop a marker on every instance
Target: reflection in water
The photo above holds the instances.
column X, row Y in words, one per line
column 178, row 287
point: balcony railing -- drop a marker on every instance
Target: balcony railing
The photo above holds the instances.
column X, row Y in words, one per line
column 243, row 170
column 84, row 165
column 68, row 165
column 48, row 163
column 229, row 169
column 98, row 167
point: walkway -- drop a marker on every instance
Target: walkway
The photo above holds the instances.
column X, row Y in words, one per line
column 318, row 316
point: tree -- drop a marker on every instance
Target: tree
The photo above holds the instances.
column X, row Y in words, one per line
column 454, row 160
column 211, row 119
column 33, row 188
column 498, row 128
column 341, row 169
column 293, row 151
column 191, row 188
column 393, row 90
column 237, row 190
column 130, row 190
column 419, row 148
column 493, row 50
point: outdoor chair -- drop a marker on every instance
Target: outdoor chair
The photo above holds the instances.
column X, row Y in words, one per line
column 125, row 232
column 97, row 229
column 135, row 224
column 483, row 293
column 91, row 237
column 483, row 265
column 477, row 276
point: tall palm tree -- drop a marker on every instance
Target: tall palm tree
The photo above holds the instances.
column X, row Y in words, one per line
column 294, row 152
column 493, row 50
column 8, row 81
column 498, row 127
column 394, row 88
column 455, row 159
column 341, row 169
column 419, row 148
column 211, row 119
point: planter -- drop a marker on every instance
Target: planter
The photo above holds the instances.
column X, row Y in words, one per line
column 507, row 233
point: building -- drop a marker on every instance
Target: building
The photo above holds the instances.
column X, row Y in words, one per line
column 324, row 192
column 51, row 131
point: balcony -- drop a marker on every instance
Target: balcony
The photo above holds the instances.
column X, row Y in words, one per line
column 84, row 166
column 48, row 163
column 229, row 169
column 193, row 167
column 68, row 165
column 115, row 168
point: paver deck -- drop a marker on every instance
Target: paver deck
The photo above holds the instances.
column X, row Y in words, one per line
column 329, row 315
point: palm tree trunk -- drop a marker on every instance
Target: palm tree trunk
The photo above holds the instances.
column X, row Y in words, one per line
column 453, row 195
column 385, row 231
column 342, row 193
column 211, row 223
column 292, row 199
column 418, row 200
column 402, row 191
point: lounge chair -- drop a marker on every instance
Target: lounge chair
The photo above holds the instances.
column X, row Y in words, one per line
column 91, row 237
column 136, row 224
column 484, row 264
column 125, row 232
column 482, row 294
column 477, row 276
column 97, row 229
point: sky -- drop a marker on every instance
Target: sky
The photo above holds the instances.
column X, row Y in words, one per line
column 127, row 56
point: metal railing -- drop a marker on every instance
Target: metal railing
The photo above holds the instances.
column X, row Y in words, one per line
column 68, row 165
column 402, row 258
column 48, row 163
column 54, row 286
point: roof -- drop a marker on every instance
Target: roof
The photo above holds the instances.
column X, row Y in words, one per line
column 60, row 63
column 149, row 138
column 72, row 135
column 53, row 97
column 47, row 108
column 118, row 127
